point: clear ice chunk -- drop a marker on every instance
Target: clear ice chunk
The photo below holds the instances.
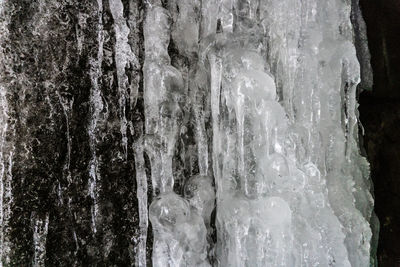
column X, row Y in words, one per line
column 179, row 233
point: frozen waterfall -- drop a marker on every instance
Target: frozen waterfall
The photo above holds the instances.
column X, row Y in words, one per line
column 183, row 133
column 277, row 81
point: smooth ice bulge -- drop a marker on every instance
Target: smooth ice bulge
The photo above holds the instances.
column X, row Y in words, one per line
column 180, row 233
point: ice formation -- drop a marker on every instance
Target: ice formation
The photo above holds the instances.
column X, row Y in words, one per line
column 183, row 133
column 277, row 80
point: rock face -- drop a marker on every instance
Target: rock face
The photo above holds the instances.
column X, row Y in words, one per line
column 381, row 120
column 383, row 23
column 70, row 79
column 229, row 125
column 380, row 115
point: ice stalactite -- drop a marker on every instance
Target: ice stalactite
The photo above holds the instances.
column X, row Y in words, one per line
column 96, row 108
column 124, row 58
column 142, row 188
column 40, row 226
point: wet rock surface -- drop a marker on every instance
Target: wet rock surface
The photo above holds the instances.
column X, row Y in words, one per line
column 63, row 153
column 381, row 119
column 380, row 116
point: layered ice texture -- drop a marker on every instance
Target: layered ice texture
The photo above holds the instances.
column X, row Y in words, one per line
column 271, row 88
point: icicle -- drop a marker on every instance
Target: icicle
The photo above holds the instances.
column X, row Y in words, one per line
column 124, row 58
column 6, row 147
column 141, row 193
column 67, row 109
column 162, row 92
column 40, row 229
column 5, row 195
column 200, row 99
column 96, row 107
column 216, row 73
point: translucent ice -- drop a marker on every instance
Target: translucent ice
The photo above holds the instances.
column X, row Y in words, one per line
column 199, row 191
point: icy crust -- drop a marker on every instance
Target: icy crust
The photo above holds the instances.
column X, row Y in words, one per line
column 279, row 79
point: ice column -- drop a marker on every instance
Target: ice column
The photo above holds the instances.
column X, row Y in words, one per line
column 162, row 88
column 179, row 232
